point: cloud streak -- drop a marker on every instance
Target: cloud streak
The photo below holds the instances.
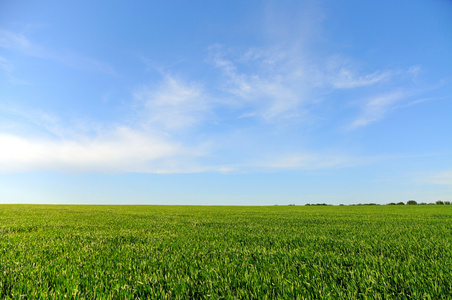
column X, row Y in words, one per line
column 376, row 108
column 342, row 73
column 20, row 44
column 345, row 79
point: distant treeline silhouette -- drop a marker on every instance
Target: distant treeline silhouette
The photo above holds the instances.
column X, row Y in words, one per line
column 410, row 202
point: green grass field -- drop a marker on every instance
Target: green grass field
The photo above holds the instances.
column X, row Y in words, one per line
column 182, row 252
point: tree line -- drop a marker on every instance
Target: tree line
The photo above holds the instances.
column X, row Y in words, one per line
column 410, row 202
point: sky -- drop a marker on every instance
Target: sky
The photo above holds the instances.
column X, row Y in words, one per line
column 225, row 102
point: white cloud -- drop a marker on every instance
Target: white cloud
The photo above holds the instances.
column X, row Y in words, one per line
column 174, row 104
column 415, row 70
column 33, row 140
column 121, row 150
column 377, row 107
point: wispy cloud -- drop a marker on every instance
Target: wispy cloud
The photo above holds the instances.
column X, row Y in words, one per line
column 21, row 44
column 377, row 107
column 340, row 72
column 8, row 69
column 275, row 83
column 5, row 65
column 174, row 103
column 263, row 89
column 15, row 41
column 346, row 79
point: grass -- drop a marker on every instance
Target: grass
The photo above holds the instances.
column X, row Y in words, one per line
column 180, row 252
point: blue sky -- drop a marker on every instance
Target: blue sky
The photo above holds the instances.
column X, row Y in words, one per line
column 233, row 102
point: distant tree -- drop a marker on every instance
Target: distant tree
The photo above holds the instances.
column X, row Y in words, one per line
column 307, row 204
column 439, row 202
column 400, row 203
column 422, row 203
column 392, row 203
column 446, row 202
column 341, row 204
column 411, row 202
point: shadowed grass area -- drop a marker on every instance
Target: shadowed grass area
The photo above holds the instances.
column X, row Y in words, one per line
column 180, row 252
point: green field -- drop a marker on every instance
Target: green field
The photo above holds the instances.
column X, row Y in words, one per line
column 182, row 252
